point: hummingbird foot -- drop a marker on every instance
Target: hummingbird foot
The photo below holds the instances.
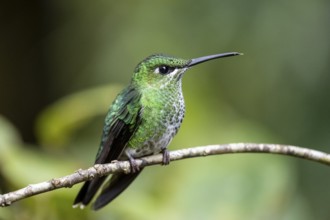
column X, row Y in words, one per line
column 134, row 166
column 166, row 157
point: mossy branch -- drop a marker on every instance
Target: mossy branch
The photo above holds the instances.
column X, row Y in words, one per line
column 99, row 170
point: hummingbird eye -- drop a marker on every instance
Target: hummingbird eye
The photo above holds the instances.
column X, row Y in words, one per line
column 164, row 69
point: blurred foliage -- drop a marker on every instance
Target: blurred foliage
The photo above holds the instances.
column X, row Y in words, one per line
column 57, row 122
column 60, row 66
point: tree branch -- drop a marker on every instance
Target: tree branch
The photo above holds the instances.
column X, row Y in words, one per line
column 99, row 170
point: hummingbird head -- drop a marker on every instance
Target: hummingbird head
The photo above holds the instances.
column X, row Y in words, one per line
column 159, row 71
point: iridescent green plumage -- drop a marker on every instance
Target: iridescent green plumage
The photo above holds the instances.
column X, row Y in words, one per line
column 142, row 121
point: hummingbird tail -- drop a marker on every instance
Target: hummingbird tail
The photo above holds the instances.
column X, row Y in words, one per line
column 87, row 192
column 117, row 184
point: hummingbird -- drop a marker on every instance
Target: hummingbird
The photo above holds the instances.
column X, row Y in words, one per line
column 141, row 121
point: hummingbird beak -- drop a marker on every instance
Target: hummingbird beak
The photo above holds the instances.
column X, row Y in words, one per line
column 199, row 60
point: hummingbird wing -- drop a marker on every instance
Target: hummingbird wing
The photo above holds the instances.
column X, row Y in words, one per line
column 122, row 120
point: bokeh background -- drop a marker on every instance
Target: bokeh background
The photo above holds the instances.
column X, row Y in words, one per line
column 63, row 62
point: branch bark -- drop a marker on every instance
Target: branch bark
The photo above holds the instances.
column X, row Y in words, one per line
column 99, row 170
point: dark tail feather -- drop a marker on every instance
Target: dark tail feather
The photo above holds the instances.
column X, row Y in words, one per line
column 118, row 183
column 88, row 190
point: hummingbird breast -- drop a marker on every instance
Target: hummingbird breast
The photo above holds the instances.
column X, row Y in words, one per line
column 162, row 115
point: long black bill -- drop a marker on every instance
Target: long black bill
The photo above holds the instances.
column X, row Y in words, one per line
column 199, row 60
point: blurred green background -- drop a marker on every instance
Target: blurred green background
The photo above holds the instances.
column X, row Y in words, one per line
column 62, row 63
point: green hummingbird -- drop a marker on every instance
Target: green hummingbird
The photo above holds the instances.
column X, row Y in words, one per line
column 141, row 121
